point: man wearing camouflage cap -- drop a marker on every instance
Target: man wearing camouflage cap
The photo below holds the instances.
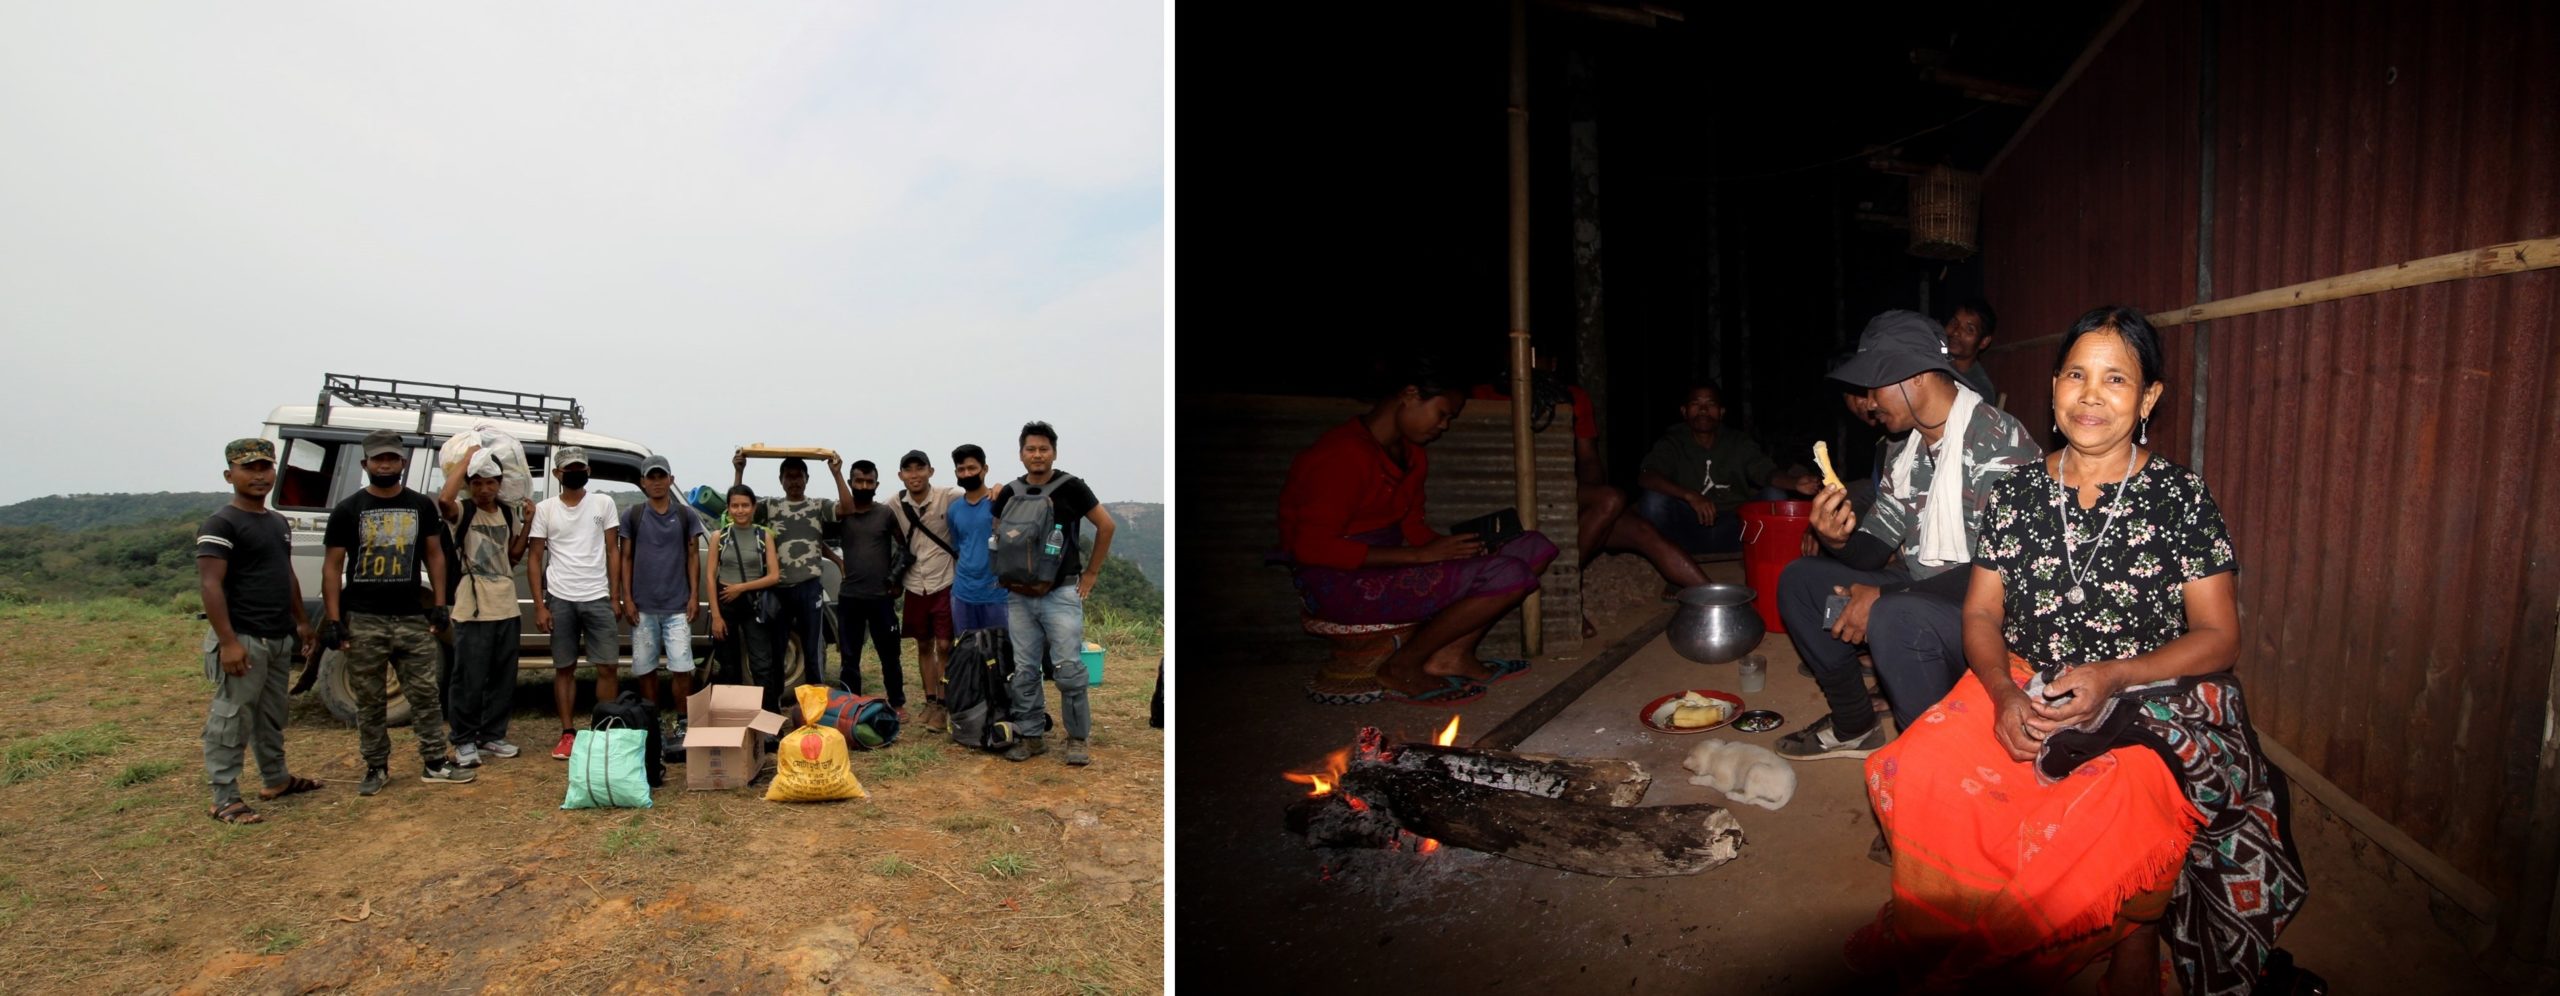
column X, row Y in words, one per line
column 1901, row 570
column 253, row 603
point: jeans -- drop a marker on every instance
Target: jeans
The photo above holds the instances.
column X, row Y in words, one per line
column 248, row 709
column 876, row 618
column 662, row 634
column 966, row 616
column 483, row 678
column 1917, row 641
column 801, row 608
column 1049, row 628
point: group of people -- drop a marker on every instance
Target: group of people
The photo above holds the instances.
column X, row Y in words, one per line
column 2054, row 634
column 594, row 568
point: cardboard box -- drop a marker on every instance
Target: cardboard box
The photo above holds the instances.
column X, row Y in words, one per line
column 721, row 748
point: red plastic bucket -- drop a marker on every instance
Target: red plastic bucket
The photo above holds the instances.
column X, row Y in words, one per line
column 1772, row 538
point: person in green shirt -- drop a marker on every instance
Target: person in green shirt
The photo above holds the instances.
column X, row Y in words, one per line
column 1701, row 471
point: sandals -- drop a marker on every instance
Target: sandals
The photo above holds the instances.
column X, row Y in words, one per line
column 236, row 813
column 296, row 786
column 1453, row 690
column 1504, row 670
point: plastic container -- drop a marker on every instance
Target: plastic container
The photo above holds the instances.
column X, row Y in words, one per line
column 1772, row 537
column 1092, row 663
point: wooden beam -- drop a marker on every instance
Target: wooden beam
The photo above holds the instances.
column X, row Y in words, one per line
column 1624, row 842
column 2470, row 895
column 2505, row 257
column 1545, row 707
column 1589, row 781
column 2078, row 66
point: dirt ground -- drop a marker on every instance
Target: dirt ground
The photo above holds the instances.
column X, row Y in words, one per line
column 961, row 873
column 1255, row 904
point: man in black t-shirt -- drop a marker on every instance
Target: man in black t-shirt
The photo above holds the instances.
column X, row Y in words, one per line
column 867, row 597
column 253, row 603
column 1047, row 621
column 379, row 617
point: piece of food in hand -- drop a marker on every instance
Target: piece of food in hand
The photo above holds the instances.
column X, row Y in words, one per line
column 1822, row 459
column 1695, row 710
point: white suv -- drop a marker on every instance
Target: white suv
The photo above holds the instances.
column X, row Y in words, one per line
column 320, row 462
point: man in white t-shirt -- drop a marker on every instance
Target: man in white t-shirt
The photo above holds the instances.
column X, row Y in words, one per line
column 574, row 537
column 924, row 521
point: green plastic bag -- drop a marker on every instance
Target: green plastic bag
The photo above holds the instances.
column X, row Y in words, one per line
column 607, row 769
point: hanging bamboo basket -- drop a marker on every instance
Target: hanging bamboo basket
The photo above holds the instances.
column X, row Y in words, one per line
column 1944, row 205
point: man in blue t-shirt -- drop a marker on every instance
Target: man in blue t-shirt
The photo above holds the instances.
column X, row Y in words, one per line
column 976, row 602
column 658, row 569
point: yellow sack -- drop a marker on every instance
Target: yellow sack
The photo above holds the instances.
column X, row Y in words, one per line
column 811, row 765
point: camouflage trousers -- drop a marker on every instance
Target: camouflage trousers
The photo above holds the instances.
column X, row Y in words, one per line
column 247, row 713
column 374, row 644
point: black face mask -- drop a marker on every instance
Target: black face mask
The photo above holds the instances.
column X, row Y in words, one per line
column 972, row 483
column 865, row 495
column 383, row 480
column 573, row 479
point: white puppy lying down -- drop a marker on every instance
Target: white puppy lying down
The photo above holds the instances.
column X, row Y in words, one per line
column 1743, row 772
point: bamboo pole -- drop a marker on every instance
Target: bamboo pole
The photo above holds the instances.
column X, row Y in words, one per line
column 1524, row 459
column 2505, row 257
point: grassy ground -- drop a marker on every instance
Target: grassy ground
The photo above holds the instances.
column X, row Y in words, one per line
column 960, row 872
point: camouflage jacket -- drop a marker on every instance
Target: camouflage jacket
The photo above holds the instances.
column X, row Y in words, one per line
column 1994, row 445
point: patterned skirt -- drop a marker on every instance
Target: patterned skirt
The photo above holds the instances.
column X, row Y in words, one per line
column 1417, row 592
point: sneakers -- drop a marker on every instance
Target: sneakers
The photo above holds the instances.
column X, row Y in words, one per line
column 373, row 780
column 1076, row 753
column 499, row 748
column 466, row 756
column 445, row 772
column 1024, row 748
column 937, row 717
column 568, row 739
column 1816, row 742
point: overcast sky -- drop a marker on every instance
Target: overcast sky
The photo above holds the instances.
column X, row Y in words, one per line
column 872, row 227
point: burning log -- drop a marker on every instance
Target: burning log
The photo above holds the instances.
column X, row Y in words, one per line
column 1571, row 814
column 1603, row 782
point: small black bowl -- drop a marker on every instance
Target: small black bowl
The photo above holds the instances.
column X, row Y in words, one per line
column 1758, row 721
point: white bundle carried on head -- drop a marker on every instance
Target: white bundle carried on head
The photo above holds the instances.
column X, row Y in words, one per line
column 515, row 476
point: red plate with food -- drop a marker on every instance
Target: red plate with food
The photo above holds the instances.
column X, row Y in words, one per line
column 1696, row 710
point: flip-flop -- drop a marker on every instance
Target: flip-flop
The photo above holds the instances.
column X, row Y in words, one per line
column 1504, row 670
column 1454, row 690
column 297, row 785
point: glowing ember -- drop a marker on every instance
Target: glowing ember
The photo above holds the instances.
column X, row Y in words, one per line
column 1448, row 735
column 1429, row 845
column 1322, row 782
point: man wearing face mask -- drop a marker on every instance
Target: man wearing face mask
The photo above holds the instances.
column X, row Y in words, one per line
column 867, row 598
column 378, row 541
column 574, row 541
column 976, row 602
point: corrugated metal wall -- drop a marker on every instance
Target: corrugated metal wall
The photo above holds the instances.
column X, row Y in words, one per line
column 2390, row 464
column 1232, row 604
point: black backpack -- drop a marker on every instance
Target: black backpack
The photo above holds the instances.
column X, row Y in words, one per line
column 1029, row 542
column 639, row 714
column 455, row 532
column 978, row 688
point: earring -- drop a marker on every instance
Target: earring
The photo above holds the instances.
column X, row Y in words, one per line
column 2143, row 435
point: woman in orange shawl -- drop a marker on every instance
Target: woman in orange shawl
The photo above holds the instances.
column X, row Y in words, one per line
column 2093, row 785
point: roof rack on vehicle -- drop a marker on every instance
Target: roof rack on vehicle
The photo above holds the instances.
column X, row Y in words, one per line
column 428, row 398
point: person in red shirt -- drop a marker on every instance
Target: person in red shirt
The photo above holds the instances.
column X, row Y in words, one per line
column 1601, row 509
column 1351, row 526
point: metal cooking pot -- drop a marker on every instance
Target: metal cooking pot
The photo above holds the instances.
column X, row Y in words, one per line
column 1716, row 623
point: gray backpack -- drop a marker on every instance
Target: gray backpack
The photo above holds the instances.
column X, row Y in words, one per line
column 1029, row 541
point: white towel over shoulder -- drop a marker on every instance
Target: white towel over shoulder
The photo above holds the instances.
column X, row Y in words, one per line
column 1942, row 538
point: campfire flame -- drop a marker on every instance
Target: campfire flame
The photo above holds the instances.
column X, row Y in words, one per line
column 1322, row 782
column 1449, row 734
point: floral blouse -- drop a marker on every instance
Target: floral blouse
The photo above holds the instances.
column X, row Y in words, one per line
column 2131, row 580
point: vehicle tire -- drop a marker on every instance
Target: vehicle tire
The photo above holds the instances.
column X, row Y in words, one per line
column 339, row 694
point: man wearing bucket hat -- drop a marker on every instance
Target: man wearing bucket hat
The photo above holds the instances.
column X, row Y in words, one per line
column 1898, row 570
